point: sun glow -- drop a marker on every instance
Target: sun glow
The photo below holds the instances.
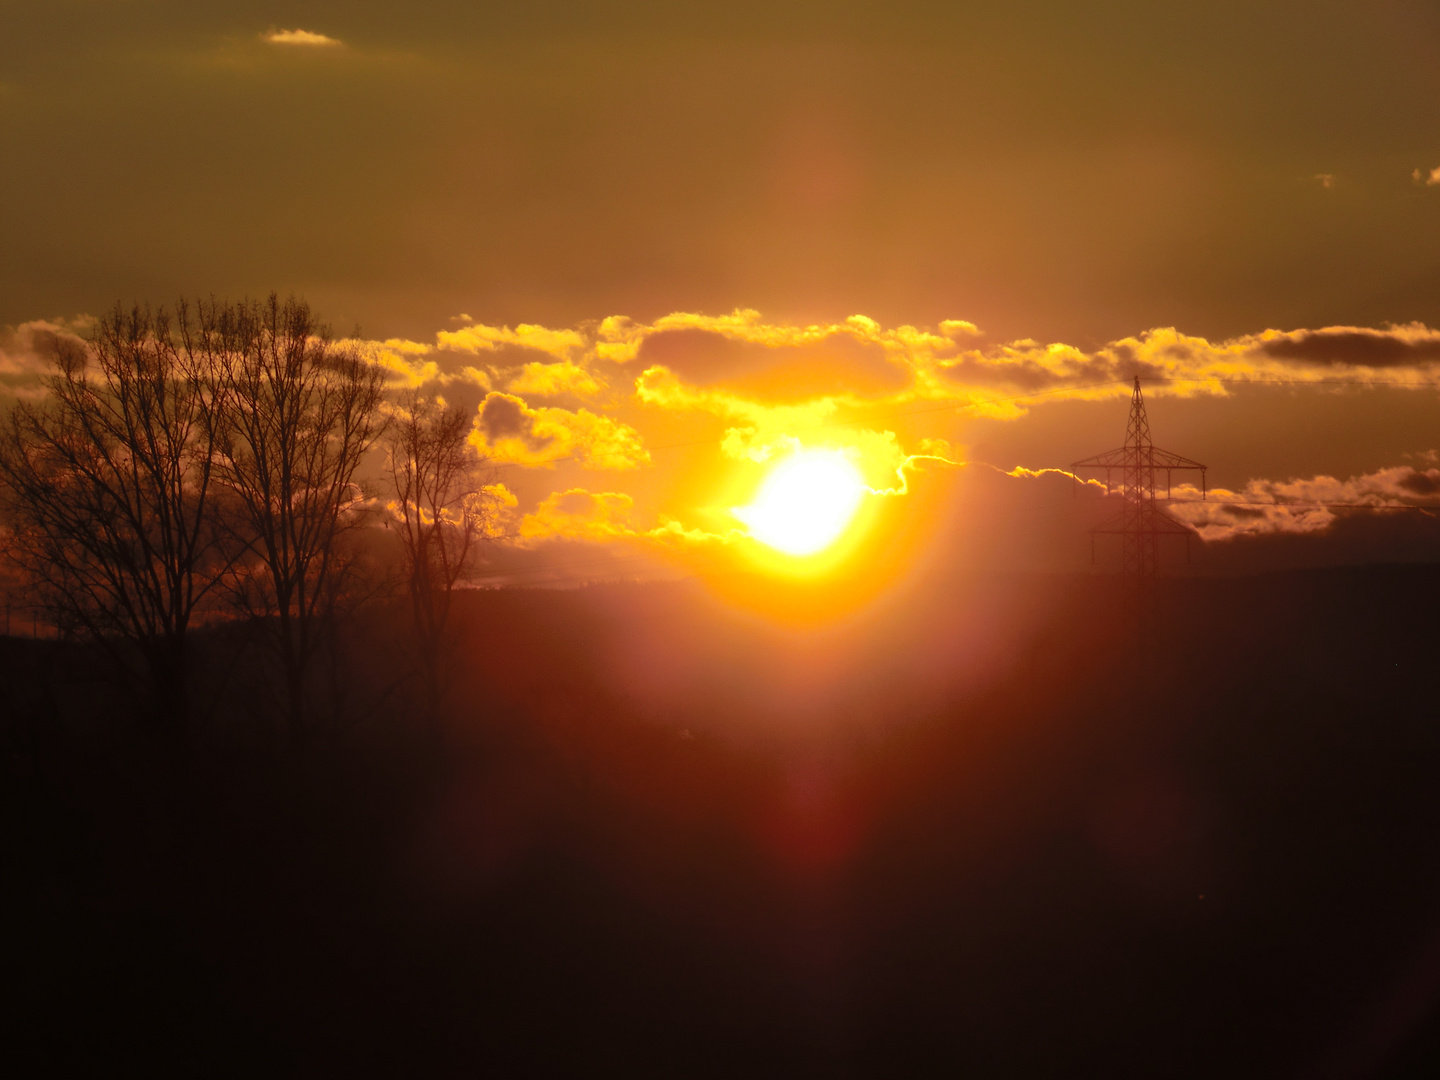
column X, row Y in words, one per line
column 805, row 503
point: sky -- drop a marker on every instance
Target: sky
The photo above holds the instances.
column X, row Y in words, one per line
column 657, row 250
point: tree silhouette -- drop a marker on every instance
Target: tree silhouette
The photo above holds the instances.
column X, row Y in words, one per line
column 299, row 415
column 441, row 511
column 108, row 490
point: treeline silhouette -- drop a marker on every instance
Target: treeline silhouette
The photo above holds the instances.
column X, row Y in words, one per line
column 201, row 465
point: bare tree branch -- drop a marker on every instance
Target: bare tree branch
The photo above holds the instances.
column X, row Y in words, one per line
column 299, row 415
column 441, row 511
column 108, row 492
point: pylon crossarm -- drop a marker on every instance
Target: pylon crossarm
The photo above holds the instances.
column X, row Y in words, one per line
column 1122, row 456
column 1164, row 459
column 1110, row 459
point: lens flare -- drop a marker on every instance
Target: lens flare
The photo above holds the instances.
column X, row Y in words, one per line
column 805, row 503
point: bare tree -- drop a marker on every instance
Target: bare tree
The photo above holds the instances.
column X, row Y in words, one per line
column 441, row 511
column 108, row 486
column 299, row 415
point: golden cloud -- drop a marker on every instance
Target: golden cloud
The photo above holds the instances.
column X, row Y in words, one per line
column 577, row 514
column 508, row 431
column 299, row 37
column 468, row 374
column 618, row 339
column 502, row 503
column 405, row 363
column 477, row 337
column 558, row 378
column 764, row 425
column 492, row 507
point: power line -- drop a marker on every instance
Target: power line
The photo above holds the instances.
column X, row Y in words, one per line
column 1313, row 505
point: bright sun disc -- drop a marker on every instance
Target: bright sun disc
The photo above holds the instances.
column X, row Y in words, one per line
column 805, row 503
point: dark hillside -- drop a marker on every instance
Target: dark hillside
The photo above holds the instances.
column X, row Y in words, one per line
column 978, row 829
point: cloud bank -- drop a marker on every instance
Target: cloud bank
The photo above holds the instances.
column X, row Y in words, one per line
column 716, row 361
column 1306, row 505
column 732, row 393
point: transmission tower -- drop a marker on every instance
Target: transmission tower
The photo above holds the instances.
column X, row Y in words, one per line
column 1141, row 522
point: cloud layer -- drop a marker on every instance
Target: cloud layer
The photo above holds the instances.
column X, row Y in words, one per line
column 1306, row 505
column 859, row 360
column 767, row 388
column 725, row 396
column 27, row 353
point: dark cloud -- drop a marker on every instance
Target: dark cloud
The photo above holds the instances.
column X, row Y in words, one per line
column 1025, row 366
column 1355, row 347
column 1025, row 374
column 502, row 417
column 838, row 364
column 461, row 393
column 1421, row 483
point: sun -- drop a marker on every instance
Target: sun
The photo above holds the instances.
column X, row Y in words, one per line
column 805, row 503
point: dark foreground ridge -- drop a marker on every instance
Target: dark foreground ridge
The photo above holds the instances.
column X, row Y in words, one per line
column 968, row 833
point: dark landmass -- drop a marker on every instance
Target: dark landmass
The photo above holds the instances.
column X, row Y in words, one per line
column 982, row 828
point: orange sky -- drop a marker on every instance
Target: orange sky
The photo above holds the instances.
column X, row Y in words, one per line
column 654, row 251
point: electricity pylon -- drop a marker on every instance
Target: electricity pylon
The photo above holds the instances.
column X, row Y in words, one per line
column 1141, row 522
